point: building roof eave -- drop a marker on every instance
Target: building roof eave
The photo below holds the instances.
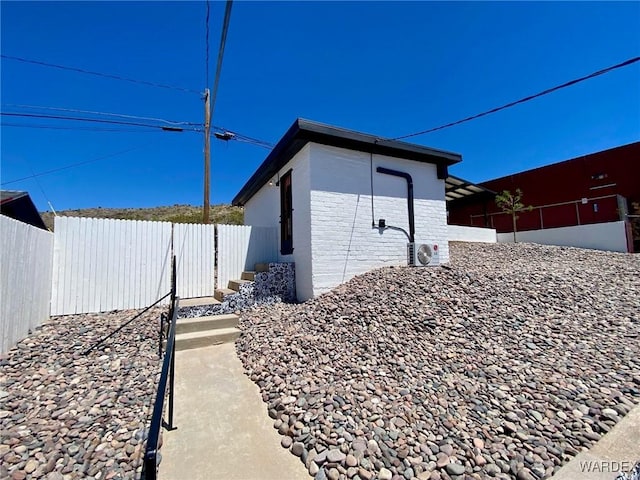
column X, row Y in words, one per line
column 304, row 131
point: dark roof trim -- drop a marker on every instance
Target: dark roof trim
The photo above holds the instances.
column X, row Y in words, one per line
column 304, row 131
column 19, row 206
column 10, row 195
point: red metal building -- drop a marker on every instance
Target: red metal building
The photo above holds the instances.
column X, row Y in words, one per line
column 595, row 188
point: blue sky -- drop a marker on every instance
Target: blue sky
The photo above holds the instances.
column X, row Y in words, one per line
column 383, row 68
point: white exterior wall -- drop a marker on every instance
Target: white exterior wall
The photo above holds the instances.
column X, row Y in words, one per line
column 610, row 236
column 263, row 210
column 459, row 233
column 344, row 243
column 26, row 263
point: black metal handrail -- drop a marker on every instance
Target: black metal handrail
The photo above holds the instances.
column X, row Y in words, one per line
column 150, row 462
column 138, row 315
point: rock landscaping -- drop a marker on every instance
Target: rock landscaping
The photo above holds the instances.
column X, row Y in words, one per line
column 66, row 415
column 276, row 285
column 504, row 364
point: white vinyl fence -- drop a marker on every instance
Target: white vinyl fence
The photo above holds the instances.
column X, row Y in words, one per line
column 97, row 265
column 240, row 247
column 104, row 264
column 194, row 247
column 26, row 259
column 610, row 236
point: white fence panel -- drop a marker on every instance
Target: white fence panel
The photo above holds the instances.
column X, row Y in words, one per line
column 610, row 236
column 26, row 262
column 240, row 247
column 104, row 264
column 459, row 233
column 194, row 247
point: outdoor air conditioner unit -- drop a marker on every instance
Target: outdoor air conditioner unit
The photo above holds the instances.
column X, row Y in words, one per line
column 423, row 254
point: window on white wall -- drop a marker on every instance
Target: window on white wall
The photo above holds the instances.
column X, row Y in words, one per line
column 286, row 215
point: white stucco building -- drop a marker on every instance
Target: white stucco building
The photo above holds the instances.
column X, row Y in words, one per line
column 326, row 185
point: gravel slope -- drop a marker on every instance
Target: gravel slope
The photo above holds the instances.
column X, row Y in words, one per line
column 64, row 415
column 503, row 365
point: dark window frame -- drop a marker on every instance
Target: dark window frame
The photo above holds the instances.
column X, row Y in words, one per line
column 286, row 214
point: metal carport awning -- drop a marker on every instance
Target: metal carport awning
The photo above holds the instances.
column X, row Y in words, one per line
column 456, row 188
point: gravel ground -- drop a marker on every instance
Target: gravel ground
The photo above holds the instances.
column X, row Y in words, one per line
column 64, row 415
column 505, row 364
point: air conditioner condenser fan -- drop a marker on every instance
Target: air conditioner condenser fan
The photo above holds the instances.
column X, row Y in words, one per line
column 424, row 254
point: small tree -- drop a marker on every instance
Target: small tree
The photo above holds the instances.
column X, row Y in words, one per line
column 512, row 204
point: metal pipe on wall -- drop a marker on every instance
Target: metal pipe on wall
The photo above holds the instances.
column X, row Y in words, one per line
column 407, row 177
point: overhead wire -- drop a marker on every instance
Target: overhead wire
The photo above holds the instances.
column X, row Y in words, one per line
column 99, row 74
column 173, row 125
column 193, row 126
column 523, row 100
column 152, row 128
column 223, row 41
column 93, row 112
column 77, row 128
column 243, row 138
column 73, row 165
column 37, row 180
column 84, row 119
column 258, row 144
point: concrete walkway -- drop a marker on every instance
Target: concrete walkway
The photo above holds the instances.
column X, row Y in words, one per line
column 223, row 427
column 617, row 451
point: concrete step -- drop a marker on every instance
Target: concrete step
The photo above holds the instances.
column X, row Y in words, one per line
column 211, row 322
column 262, row 267
column 223, row 292
column 191, row 340
column 251, row 276
column 235, row 284
column 197, row 301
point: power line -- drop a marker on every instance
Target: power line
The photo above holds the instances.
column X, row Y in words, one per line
column 258, row 144
column 87, row 129
column 223, row 41
column 66, row 167
column 523, row 100
column 35, row 177
column 99, row 74
column 254, row 141
column 225, row 134
column 235, row 135
column 153, row 129
column 95, row 120
column 93, row 112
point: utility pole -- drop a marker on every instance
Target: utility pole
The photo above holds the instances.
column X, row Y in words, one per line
column 209, row 104
column 207, row 154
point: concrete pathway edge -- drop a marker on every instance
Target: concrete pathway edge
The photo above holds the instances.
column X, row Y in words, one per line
column 617, row 452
